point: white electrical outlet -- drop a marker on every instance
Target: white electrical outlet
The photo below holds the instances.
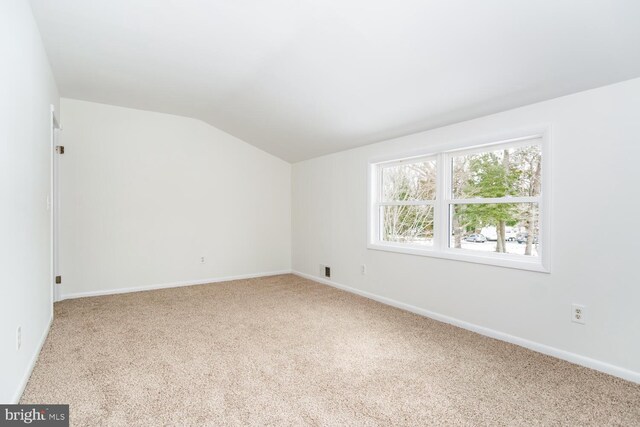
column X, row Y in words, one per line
column 18, row 337
column 578, row 314
column 363, row 269
column 201, row 260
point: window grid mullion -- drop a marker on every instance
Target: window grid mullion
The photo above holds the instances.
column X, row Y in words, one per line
column 494, row 200
column 443, row 224
column 408, row 203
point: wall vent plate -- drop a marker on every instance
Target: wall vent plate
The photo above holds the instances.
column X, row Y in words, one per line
column 325, row 271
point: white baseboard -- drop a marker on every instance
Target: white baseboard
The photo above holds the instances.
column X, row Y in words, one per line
column 531, row 345
column 32, row 362
column 171, row 285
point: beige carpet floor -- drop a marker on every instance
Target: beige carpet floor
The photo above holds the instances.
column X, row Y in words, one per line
column 287, row 351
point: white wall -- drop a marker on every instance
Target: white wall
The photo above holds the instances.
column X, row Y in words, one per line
column 595, row 206
column 144, row 195
column 27, row 90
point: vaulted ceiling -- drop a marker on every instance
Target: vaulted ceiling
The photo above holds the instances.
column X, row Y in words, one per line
column 302, row 78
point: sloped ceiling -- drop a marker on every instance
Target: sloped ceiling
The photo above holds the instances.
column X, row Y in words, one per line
column 302, row 78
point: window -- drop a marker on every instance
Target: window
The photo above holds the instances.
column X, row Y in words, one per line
column 408, row 200
column 482, row 204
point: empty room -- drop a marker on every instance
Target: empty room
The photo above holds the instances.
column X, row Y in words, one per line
column 324, row 213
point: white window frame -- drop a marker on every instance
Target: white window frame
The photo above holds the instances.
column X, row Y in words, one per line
column 444, row 199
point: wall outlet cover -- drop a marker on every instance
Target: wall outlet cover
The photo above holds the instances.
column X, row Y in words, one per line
column 579, row 314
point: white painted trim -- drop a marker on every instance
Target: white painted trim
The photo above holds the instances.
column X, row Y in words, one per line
column 172, row 285
column 51, row 202
column 517, row 262
column 32, row 363
column 531, row 345
column 54, row 206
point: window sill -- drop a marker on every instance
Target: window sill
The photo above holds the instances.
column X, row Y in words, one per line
column 490, row 258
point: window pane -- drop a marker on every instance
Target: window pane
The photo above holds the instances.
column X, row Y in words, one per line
column 409, row 182
column 506, row 228
column 407, row 224
column 498, row 173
